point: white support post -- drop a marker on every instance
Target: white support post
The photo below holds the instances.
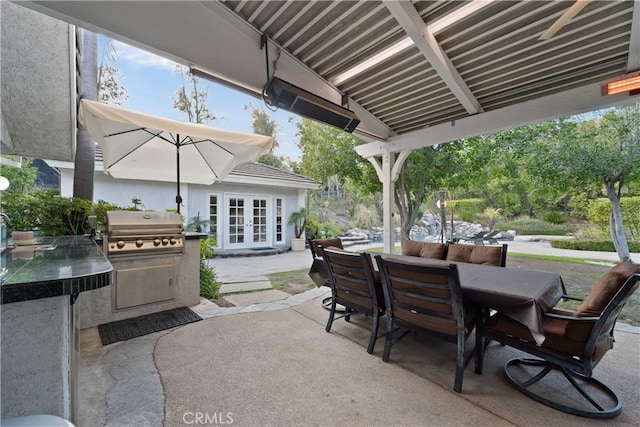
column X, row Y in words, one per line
column 388, row 171
column 388, row 235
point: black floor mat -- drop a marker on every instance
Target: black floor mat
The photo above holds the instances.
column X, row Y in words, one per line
column 147, row 324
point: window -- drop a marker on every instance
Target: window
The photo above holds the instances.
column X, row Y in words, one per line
column 213, row 216
column 279, row 221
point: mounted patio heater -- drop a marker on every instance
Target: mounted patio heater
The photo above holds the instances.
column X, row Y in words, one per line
column 287, row 96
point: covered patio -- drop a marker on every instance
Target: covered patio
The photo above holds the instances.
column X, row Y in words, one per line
column 269, row 364
column 416, row 73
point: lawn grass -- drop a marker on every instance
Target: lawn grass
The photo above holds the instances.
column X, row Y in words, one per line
column 572, row 260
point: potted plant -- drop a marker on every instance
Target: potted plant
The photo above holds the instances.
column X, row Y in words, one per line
column 197, row 224
column 299, row 221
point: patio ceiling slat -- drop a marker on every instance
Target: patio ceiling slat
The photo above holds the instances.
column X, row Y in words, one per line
column 495, row 50
column 553, row 66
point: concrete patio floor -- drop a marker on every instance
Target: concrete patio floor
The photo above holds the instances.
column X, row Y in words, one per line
column 274, row 364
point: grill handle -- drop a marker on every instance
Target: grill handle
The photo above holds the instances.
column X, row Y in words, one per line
column 144, row 232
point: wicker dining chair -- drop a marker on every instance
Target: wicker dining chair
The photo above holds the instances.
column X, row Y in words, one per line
column 428, row 300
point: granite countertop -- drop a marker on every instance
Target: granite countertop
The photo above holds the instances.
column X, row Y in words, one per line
column 53, row 266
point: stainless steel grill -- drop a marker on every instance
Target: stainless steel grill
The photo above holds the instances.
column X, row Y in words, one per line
column 143, row 233
column 145, row 249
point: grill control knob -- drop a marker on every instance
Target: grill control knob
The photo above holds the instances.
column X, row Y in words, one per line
column 165, row 241
column 156, row 242
column 139, row 243
column 120, row 244
column 173, row 241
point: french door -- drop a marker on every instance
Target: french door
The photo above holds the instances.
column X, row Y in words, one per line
column 248, row 221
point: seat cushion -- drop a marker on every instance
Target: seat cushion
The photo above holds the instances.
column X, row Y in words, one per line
column 554, row 332
column 325, row 243
column 443, row 325
column 483, row 255
column 605, row 289
column 460, row 253
column 423, row 249
column 487, row 255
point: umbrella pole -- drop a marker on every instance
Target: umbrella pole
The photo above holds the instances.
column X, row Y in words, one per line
column 178, row 198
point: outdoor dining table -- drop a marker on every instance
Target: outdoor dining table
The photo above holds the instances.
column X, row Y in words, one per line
column 523, row 295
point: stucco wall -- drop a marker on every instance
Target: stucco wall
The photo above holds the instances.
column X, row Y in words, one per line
column 35, row 357
column 38, row 84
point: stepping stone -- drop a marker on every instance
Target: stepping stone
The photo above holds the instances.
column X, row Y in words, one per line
column 250, row 284
column 244, row 300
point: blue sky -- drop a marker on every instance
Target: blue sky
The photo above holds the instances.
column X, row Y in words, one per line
column 151, row 81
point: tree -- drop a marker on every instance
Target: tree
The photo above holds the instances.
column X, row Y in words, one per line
column 426, row 170
column 99, row 81
column 604, row 151
column 110, row 88
column 21, row 179
column 190, row 99
column 263, row 124
column 327, row 152
column 299, row 221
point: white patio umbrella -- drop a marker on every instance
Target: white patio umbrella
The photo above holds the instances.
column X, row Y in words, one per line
column 141, row 146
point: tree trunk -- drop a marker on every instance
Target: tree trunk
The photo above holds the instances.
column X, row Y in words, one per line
column 407, row 207
column 615, row 224
column 88, row 88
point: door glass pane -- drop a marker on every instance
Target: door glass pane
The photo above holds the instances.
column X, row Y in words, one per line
column 259, row 220
column 236, row 221
column 213, row 216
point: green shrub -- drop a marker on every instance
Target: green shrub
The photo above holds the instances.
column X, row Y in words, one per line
column 209, row 284
column 100, row 209
column 468, row 209
column 592, row 232
column 600, row 211
column 579, row 205
column 529, row 226
column 329, row 230
column 592, row 245
column 555, row 217
column 312, row 229
column 47, row 210
column 208, row 247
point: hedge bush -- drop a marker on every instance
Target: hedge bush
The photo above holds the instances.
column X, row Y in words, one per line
column 600, row 210
column 48, row 211
column 531, row 226
column 555, row 217
column 592, row 245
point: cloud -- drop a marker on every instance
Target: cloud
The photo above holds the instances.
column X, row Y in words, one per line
column 142, row 59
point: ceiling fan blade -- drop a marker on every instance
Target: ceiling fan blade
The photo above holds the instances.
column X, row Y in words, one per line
column 566, row 17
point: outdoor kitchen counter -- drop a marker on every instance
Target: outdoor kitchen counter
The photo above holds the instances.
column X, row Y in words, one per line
column 55, row 266
column 40, row 322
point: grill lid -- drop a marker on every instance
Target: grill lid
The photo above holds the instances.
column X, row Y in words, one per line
column 133, row 223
